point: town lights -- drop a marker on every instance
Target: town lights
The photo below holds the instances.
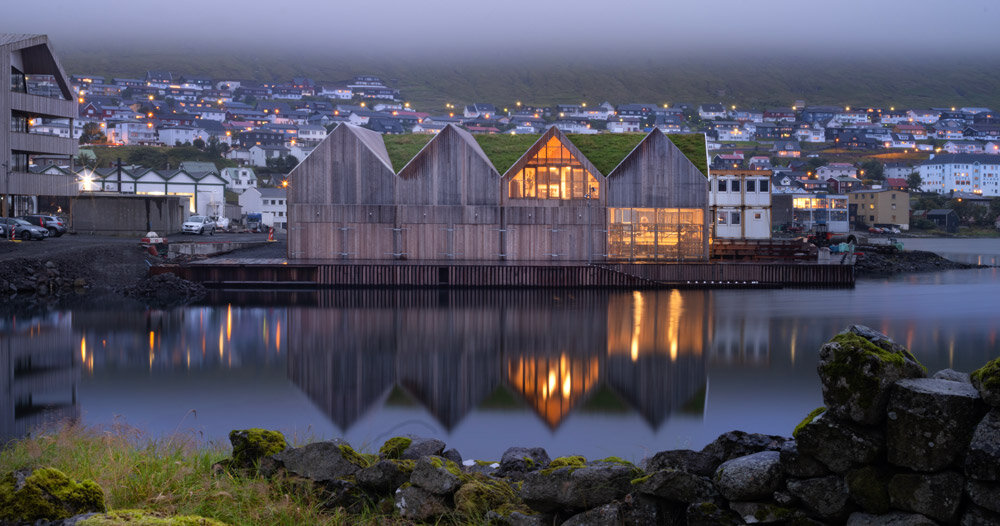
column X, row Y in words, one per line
column 284, row 184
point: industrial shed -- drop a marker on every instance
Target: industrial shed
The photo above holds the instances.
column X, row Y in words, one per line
column 450, row 202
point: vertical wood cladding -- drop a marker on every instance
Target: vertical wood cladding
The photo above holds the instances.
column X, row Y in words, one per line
column 450, row 203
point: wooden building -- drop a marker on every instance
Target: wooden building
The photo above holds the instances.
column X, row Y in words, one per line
column 449, row 202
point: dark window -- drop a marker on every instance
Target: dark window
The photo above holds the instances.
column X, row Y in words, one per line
column 763, row 186
column 18, row 162
column 751, row 186
column 722, row 185
column 18, row 82
column 735, row 218
column 735, row 187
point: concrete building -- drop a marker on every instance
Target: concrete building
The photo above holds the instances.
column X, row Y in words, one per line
column 39, row 90
column 880, row 208
column 740, row 203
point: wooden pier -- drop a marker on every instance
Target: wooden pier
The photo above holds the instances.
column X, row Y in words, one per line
column 280, row 273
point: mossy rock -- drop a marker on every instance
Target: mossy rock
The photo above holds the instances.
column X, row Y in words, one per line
column 574, row 462
column 362, row 460
column 986, row 379
column 47, row 493
column 809, row 418
column 480, row 494
column 145, row 518
column 857, row 369
column 394, row 447
column 251, row 445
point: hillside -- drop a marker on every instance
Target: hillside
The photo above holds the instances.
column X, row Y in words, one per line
column 916, row 82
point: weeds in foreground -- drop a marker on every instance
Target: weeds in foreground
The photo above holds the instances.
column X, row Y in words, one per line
column 172, row 475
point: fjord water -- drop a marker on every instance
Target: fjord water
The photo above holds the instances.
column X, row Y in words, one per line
column 596, row 373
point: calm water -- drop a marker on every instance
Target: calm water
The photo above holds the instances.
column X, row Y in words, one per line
column 594, row 373
column 977, row 251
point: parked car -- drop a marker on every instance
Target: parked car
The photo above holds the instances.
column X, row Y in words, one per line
column 55, row 225
column 23, row 230
column 198, row 225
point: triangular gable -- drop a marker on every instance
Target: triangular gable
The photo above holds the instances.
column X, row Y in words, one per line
column 541, row 143
column 451, row 169
column 38, row 57
column 657, row 174
column 349, row 166
column 181, row 176
column 151, row 176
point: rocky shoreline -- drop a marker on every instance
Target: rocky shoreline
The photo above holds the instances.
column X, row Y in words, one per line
column 892, row 446
column 882, row 261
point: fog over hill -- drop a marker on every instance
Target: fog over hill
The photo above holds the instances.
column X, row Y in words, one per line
column 430, row 82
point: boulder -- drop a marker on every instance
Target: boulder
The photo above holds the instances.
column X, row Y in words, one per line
column 976, row 516
column 437, row 475
column 762, row 512
column 394, row 447
column 517, row 461
column 985, row 494
column 46, row 494
column 953, row 375
column 640, row 510
column 518, row 519
column 869, row 488
column 825, row 497
column 422, row 447
column 322, row 462
column 251, row 445
column 840, row 445
column 676, row 486
column 930, row 422
column 936, row 495
column 798, row 465
column 577, row 488
column 453, row 455
column 710, row 514
column 740, row 444
column 607, row 514
column 982, row 461
column 857, row 368
column 889, row 519
column 751, row 477
column 418, row 504
column 696, row 462
column 385, row 476
column 987, row 381
column 481, row 467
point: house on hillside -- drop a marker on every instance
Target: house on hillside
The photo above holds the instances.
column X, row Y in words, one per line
column 711, row 111
column 786, row 148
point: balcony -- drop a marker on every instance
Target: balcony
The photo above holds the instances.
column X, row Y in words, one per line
column 20, row 183
column 43, row 144
column 43, row 106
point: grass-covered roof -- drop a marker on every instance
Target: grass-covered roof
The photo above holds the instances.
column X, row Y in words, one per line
column 604, row 150
column 404, row 147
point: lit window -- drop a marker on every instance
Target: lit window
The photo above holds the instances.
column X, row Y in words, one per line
column 553, row 173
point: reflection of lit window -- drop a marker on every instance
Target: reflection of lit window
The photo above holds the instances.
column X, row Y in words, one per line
column 553, row 173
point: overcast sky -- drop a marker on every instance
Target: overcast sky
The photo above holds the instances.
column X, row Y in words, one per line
column 663, row 27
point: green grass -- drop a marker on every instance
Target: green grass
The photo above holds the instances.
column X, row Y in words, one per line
column 504, row 150
column 692, row 145
column 402, row 148
column 606, row 150
column 173, row 476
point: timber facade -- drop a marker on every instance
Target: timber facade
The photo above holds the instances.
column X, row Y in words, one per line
column 449, row 202
column 39, row 90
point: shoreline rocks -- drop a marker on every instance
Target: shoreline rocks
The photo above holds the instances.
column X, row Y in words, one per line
column 914, row 451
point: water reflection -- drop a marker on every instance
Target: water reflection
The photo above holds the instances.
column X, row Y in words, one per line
column 40, row 372
column 573, row 371
column 451, row 352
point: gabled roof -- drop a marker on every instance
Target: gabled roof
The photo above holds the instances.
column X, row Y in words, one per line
column 37, row 55
column 553, row 132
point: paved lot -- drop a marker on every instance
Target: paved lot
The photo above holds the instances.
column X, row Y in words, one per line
column 70, row 242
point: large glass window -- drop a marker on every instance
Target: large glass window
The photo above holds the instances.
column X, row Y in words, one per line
column 671, row 234
column 17, row 81
column 553, row 173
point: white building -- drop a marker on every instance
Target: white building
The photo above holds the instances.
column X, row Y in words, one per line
column 836, row 170
column 130, row 133
column 239, row 179
column 171, row 135
column 740, row 203
column 205, row 190
column 270, row 203
column 961, row 172
column 260, row 154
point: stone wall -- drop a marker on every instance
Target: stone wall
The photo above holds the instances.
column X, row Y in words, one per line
column 892, row 446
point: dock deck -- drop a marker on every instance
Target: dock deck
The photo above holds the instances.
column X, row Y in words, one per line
column 280, row 273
